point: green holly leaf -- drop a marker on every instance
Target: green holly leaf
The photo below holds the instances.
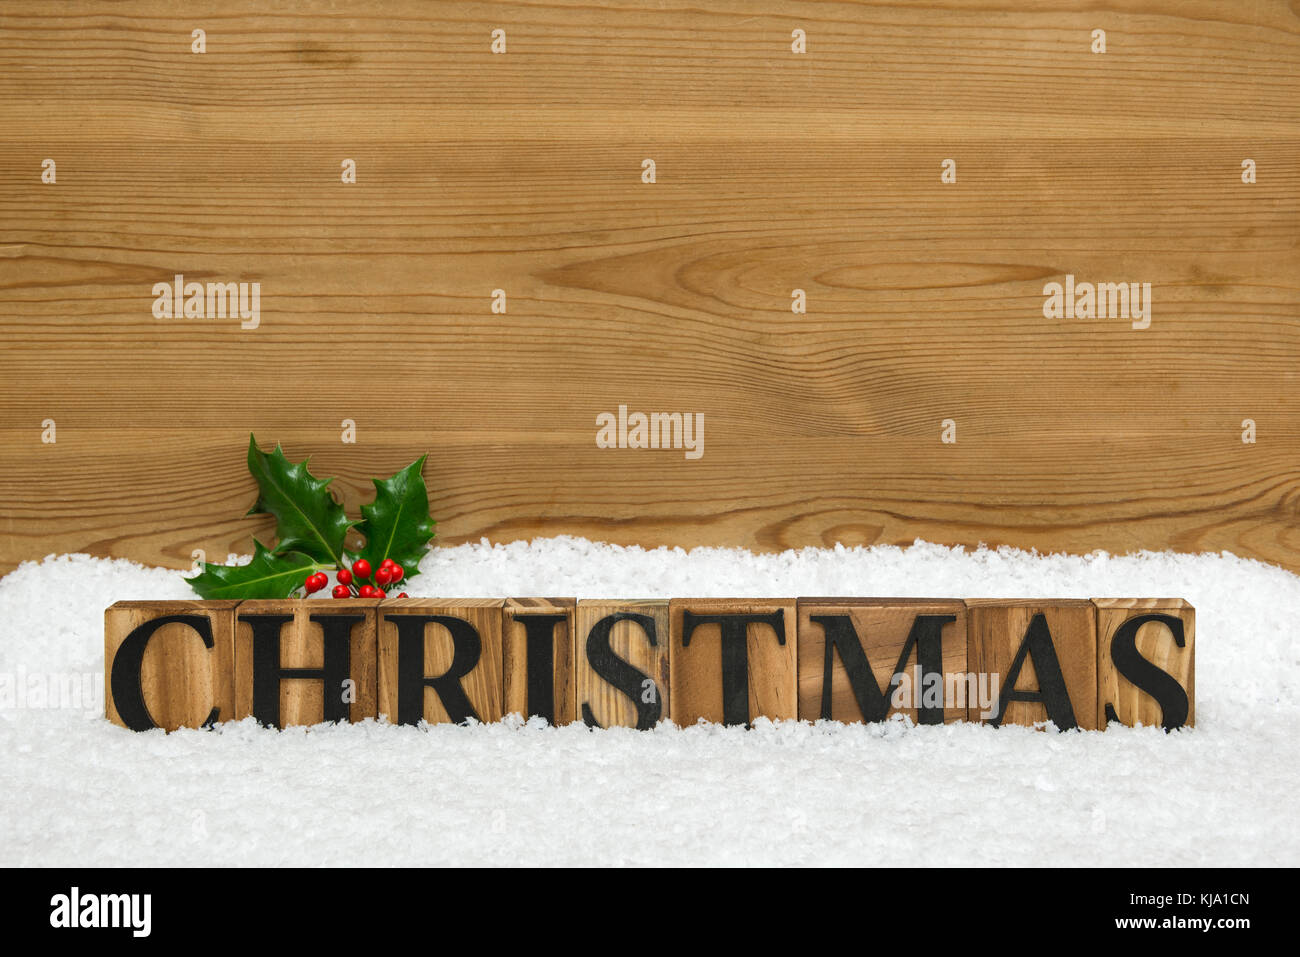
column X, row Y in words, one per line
column 269, row 575
column 397, row 524
column 308, row 520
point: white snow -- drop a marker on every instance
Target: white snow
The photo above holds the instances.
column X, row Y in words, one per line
column 78, row 791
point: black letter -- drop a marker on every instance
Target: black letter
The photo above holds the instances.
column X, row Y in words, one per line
column 467, row 648
column 336, row 631
column 926, row 635
column 621, row 675
column 1169, row 694
column 1037, row 644
column 539, row 635
column 128, row 696
column 735, row 655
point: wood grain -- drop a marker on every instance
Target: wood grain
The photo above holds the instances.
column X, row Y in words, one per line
column 775, row 171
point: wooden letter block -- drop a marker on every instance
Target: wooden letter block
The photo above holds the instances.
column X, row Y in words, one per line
column 169, row 664
column 852, row 650
column 305, row 662
column 440, row 660
column 621, row 655
column 1146, row 674
column 537, row 647
column 1044, row 657
column 733, row 660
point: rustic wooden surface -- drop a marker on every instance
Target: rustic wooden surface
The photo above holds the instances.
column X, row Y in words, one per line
column 514, row 658
column 775, row 171
column 610, row 707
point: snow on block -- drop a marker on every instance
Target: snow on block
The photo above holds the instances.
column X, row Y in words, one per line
column 305, row 662
column 537, row 652
column 733, row 660
column 864, row 659
column 1042, row 654
column 169, row 664
column 440, row 660
column 621, row 663
column 1146, row 674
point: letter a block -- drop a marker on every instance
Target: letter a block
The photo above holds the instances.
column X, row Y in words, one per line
column 1146, row 674
column 537, row 648
column 733, row 660
column 440, row 660
column 305, row 662
column 1044, row 656
column 851, row 650
column 621, row 656
column 169, row 664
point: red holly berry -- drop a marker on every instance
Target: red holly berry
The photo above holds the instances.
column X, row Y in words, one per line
column 387, row 563
column 383, row 576
column 380, row 593
column 369, row 591
column 314, row 582
column 396, row 573
column 403, row 595
column 342, row 591
column 361, row 568
column 344, row 576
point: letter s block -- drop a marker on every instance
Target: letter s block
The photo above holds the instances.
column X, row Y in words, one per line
column 169, row 664
column 733, row 660
column 1146, row 670
column 305, row 662
column 1045, row 656
column 440, row 660
column 621, row 655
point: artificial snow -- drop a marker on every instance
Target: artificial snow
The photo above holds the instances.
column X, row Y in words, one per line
column 79, row 791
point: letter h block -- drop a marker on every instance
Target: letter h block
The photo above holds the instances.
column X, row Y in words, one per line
column 305, row 662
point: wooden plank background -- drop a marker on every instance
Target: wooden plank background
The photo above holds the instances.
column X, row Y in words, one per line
column 775, row 171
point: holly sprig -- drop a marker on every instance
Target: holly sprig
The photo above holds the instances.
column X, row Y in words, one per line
column 311, row 529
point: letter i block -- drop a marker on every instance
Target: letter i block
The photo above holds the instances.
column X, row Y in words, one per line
column 537, row 649
column 621, row 663
column 863, row 659
column 733, row 660
column 305, row 662
column 169, row 664
column 1043, row 655
column 1146, row 670
column 440, row 660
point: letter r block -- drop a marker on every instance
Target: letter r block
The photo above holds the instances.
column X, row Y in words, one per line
column 305, row 662
column 851, row 650
column 1044, row 654
column 537, row 650
column 733, row 660
column 1146, row 669
column 169, row 664
column 440, row 660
